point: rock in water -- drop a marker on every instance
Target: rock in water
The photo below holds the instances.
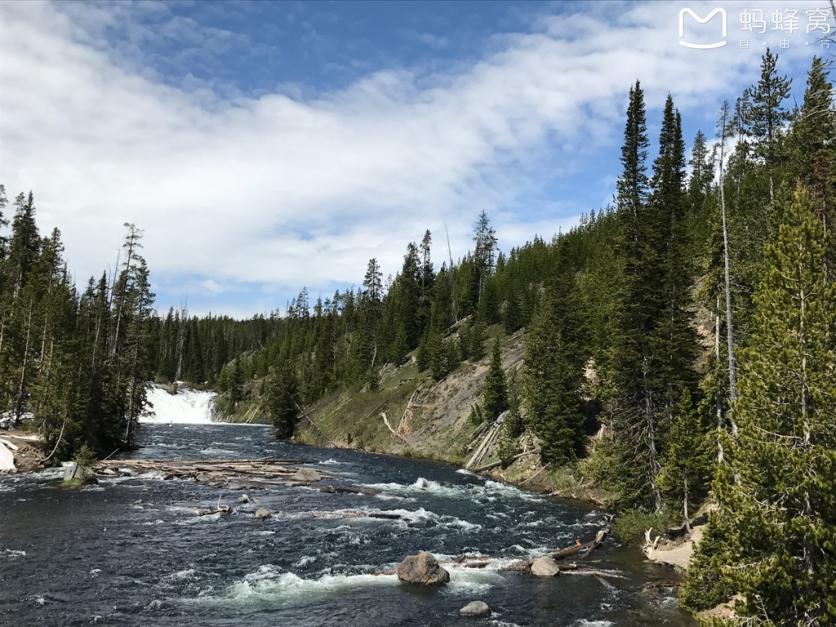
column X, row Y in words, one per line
column 475, row 609
column 544, row 567
column 520, row 566
column 76, row 474
column 262, row 513
column 243, row 499
column 422, row 569
column 307, row 474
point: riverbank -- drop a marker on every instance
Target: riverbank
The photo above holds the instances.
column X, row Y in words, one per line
column 20, row 451
column 410, row 414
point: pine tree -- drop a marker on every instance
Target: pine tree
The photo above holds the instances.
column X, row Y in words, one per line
column 484, row 257
column 656, row 346
column 632, row 187
column 236, row 384
column 776, row 505
column 408, row 299
column 554, row 375
column 813, row 149
column 512, row 316
column 702, row 172
column 495, row 393
column 283, row 401
column 514, row 426
column 3, row 223
column 768, row 115
column 675, row 339
column 635, row 363
column 371, row 309
column 476, row 342
column 687, row 470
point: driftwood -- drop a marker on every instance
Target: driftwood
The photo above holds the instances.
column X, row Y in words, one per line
column 391, row 430
column 595, row 573
column 236, row 474
column 488, row 441
column 313, row 422
column 581, row 548
column 407, row 413
column 498, row 463
column 223, row 510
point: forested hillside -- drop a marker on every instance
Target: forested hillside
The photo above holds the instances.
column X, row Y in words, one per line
column 75, row 361
column 690, row 325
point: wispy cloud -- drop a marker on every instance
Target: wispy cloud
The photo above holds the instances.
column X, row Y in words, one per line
column 223, row 185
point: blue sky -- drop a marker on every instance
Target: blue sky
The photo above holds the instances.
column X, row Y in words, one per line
column 267, row 146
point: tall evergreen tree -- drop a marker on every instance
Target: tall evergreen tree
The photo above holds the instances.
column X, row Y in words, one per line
column 776, row 505
column 283, row 401
column 484, row 257
column 814, row 150
column 635, row 362
column 553, row 378
column 495, row 395
column 675, row 338
column 768, row 115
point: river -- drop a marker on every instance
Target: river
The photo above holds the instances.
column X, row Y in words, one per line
column 130, row 551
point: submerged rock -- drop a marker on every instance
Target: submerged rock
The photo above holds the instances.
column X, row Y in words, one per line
column 422, row 569
column 475, row 609
column 544, row 567
column 262, row 513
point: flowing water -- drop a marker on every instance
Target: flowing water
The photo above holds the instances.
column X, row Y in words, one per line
column 133, row 552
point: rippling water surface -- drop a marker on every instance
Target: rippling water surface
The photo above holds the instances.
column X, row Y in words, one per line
column 132, row 551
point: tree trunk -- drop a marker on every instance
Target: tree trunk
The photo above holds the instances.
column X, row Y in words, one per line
column 727, row 273
column 719, row 400
column 22, row 385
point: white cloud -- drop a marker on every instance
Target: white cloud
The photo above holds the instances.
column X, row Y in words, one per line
column 209, row 286
column 288, row 191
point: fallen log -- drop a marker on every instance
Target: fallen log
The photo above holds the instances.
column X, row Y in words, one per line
column 235, row 474
column 391, row 430
column 595, row 573
column 498, row 463
column 313, row 422
column 223, row 510
column 580, row 548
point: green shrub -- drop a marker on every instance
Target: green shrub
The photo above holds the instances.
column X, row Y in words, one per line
column 631, row 524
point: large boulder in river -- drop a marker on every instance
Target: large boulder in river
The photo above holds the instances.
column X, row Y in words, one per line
column 475, row 609
column 544, row 567
column 422, row 569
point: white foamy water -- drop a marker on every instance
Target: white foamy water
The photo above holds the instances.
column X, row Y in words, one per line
column 187, row 406
column 270, row 583
column 487, row 491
